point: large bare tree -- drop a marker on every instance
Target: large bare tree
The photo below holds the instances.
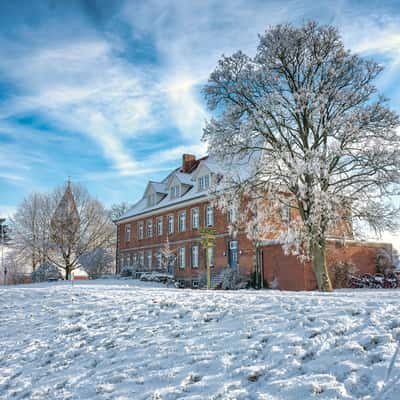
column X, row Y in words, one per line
column 30, row 225
column 301, row 125
column 78, row 224
column 47, row 229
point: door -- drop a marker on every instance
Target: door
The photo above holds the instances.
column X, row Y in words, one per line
column 170, row 266
column 233, row 254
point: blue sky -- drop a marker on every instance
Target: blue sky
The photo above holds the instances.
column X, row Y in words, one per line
column 108, row 92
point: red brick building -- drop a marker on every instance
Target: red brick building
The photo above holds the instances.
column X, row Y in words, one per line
column 174, row 210
column 177, row 208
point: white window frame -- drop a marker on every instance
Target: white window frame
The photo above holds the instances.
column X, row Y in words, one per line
column 149, row 257
column 182, row 221
column 128, row 231
column 159, row 226
column 200, row 182
column 140, row 229
column 203, row 182
column 194, row 256
column 211, row 255
column 232, row 216
column 141, row 260
column 209, row 217
column 195, row 212
column 175, row 191
column 171, row 223
column 181, row 257
column 149, row 228
column 206, row 181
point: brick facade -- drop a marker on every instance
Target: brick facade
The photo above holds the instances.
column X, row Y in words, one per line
column 139, row 241
column 288, row 273
column 130, row 250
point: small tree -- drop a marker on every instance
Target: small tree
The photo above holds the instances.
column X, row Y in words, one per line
column 208, row 237
column 97, row 262
column 167, row 255
column 300, row 125
column 46, row 272
column 14, row 269
column 31, row 229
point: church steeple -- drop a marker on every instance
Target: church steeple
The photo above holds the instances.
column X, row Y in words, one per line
column 66, row 221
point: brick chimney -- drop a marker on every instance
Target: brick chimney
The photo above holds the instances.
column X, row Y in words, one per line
column 188, row 161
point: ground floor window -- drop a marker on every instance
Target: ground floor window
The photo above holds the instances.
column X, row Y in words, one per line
column 148, row 259
column 210, row 251
column 195, row 284
column 195, row 256
column 181, row 257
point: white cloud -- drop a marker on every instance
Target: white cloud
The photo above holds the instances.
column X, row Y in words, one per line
column 85, row 83
column 82, row 87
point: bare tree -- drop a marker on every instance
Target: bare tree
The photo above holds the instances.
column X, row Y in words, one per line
column 50, row 227
column 30, row 225
column 118, row 210
column 79, row 224
column 301, row 125
column 14, row 268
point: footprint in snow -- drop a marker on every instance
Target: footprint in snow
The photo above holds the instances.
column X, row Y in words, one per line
column 105, row 388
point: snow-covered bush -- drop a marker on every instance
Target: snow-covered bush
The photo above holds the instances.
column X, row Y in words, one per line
column 341, row 273
column 97, row 262
column 232, row 280
column 46, row 272
column 156, row 277
column 384, row 264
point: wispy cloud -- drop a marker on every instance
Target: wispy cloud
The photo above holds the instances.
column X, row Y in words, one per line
column 117, row 87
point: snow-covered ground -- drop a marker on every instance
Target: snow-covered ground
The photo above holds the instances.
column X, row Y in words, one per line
column 131, row 340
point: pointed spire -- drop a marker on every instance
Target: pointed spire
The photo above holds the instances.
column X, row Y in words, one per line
column 65, row 221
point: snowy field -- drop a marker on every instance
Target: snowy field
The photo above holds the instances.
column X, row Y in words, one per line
column 132, row 340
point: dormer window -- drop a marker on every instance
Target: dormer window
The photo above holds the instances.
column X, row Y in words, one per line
column 175, row 191
column 203, row 182
column 151, row 200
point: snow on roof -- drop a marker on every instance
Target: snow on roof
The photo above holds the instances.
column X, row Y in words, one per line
column 189, row 179
column 159, row 187
column 162, row 187
column 142, row 206
column 184, row 178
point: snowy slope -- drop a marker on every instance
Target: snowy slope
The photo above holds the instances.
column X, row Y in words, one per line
column 127, row 340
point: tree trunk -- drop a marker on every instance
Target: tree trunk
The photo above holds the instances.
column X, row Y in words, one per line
column 67, row 272
column 319, row 266
column 67, row 268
